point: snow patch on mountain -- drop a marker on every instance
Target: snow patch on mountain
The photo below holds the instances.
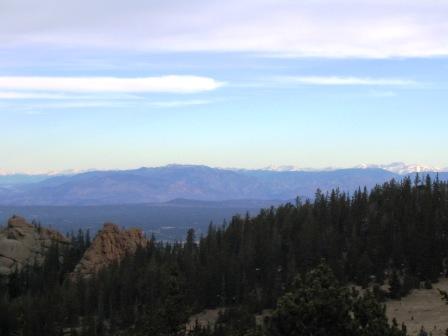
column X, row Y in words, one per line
column 400, row 168
column 403, row 168
column 286, row 168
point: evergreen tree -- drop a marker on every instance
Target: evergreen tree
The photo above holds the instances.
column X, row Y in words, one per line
column 318, row 305
column 395, row 287
column 248, row 263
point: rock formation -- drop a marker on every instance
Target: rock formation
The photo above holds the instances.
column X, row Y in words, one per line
column 22, row 243
column 110, row 245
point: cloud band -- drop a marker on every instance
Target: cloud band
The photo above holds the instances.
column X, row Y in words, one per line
column 168, row 84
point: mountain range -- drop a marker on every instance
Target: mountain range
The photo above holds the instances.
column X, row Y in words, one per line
column 400, row 168
column 193, row 182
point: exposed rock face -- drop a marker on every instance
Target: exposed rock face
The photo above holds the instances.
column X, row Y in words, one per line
column 109, row 246
column 22, row 243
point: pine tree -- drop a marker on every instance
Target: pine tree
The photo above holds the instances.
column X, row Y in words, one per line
column 318, row 305
column 395, row 287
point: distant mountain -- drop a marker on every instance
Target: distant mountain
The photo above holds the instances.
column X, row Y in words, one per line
column 13, row 179
column 284, row 168
column 7, row 178
column 202, row 183
column 402, row 168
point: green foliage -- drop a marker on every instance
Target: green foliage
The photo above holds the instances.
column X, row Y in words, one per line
column 395, row 287
column 379, row 294
column 9, row 324
column 249, row 262
column 170, row 318
column 318, row 305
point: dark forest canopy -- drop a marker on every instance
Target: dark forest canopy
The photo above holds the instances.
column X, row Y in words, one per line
column 396, row 232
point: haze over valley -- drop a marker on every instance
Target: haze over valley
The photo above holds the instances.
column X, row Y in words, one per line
column 167, row 201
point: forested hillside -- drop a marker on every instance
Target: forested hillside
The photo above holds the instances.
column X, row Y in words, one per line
column 395, row 233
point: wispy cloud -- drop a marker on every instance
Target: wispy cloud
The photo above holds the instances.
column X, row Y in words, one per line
column 169, row 84
column 19, row 95
column 32, row 95
column 127, row 105
column 348, row 81
column 321, row 28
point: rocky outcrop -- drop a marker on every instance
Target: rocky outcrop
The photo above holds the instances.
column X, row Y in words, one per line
column 22, row 243
column 110, row 245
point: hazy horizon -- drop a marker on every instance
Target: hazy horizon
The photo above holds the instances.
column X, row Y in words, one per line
column 397, row 167
column 108, row 85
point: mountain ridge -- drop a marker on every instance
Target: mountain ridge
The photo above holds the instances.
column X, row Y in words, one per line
column 202, row 183
column 395, row 167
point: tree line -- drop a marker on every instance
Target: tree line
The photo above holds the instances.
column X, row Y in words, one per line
column 396, row 232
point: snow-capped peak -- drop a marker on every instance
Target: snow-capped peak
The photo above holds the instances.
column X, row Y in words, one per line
column 290, row 168
column 394, row 167
column 282, row 168
column 402, row 168
column 48, row 173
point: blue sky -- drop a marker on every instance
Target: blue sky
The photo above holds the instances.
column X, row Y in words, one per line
column 146, row 83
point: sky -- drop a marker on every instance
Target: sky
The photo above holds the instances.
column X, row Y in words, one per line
column 249, row 84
